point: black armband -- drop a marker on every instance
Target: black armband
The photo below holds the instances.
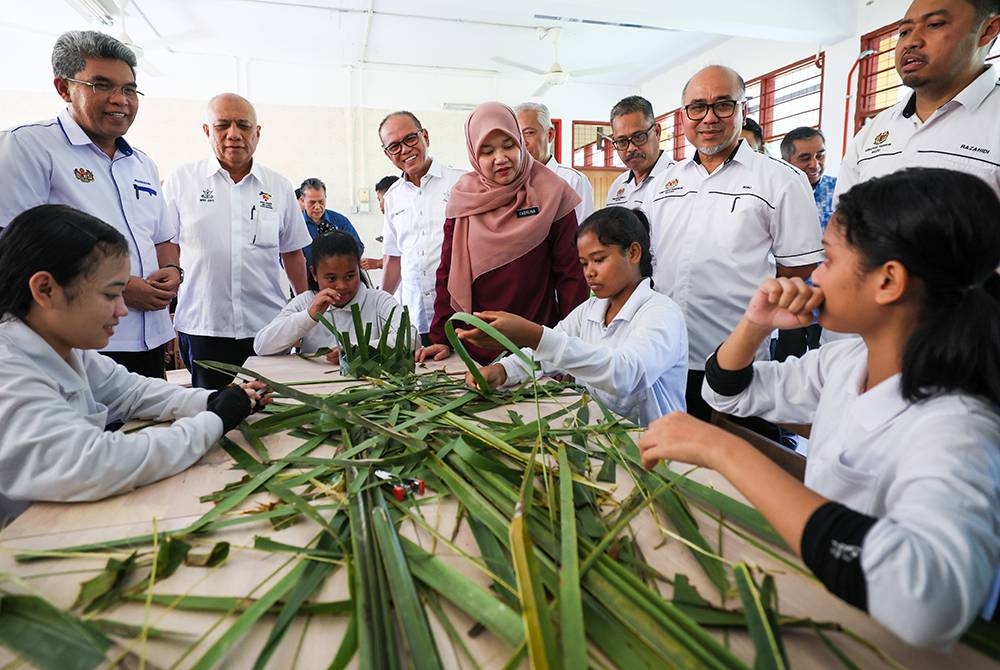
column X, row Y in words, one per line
column 831, row 548
column 727, row 382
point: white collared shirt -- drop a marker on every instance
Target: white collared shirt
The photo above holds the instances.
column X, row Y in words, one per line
column 963, row 134
column 930, row 472
column 294, row 323
column 53, row 445
column 231, row 236
column 713, row 236
column 636, row 365
column 414, row 231
column 580, row 184
column 624, row 192
column 55, row 162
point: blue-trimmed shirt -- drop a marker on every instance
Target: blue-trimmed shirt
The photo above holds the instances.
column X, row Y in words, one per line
column 823, row 193
column 339, row 222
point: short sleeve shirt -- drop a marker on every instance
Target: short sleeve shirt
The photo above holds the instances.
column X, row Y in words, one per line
column 55, row 162
column 231, row 237
column 624, row 192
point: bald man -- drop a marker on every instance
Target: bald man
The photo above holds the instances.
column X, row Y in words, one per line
column 240, row 227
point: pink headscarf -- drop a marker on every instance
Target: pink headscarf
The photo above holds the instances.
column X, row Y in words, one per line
column 496, row 224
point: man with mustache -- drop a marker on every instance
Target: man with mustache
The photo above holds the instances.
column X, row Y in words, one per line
column 239, row 224
column 81, row 159
column 635, row 135
column 952, row 118
column 717, row 218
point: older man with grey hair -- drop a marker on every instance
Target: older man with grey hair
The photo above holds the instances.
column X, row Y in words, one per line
column 81, row 159
column 539, row 134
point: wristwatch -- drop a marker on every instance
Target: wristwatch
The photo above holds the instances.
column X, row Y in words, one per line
column 179, row 269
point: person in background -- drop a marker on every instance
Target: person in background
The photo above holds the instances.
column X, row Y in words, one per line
column 539, row 134
column 509, row 236
column 81, row 159
column 335, row 285
column 239, row 228
column 899, row 511
column 627, row 344
column 381, row 186
column 413, row 230
column 64, row 275
column 754, row 135
column 635, row 135
column 320, row 220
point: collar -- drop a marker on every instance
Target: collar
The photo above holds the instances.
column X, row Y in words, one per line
column 971, row 97
column 77, row 136
column 37, row 350
column 435, row 171
column 876, row 406
column 640, row 295
column 327, row 216
column 733, row 155
column 213, row 167
column 552, row 163
column 657, row 167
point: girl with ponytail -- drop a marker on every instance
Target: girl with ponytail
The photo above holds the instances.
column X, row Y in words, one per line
column 900, row 509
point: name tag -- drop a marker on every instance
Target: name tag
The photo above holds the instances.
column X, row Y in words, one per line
column 527, row 211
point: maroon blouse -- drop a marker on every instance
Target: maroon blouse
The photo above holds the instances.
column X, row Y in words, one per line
column 543, row 285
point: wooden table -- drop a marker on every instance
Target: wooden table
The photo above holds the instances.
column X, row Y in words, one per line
column 311, row 643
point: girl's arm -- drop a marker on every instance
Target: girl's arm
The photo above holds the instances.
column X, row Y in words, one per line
column 291, row 324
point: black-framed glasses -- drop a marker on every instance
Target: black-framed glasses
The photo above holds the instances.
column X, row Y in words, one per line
column 393, row 148
column 723, row 109
column 104, row 88
column 636, row 139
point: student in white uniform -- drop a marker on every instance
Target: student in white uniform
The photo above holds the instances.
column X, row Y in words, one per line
column 335, row 285
column 64, row 273
column 627, row 344
column 901, row 503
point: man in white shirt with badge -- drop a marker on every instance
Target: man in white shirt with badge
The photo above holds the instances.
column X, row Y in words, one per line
column 538, row 133
column 413, row 231
column 952, row 118
column 718, row 217
column 239, row 223
column 81, row 159
column 635, row 135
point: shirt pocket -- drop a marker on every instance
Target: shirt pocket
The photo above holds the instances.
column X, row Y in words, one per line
column 854, row 486
column 980, row 168
column 265, row 230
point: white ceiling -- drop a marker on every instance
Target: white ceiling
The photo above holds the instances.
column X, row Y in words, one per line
column 626, row 45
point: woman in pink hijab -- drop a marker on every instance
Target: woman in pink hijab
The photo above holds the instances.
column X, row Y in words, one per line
column 509, row 236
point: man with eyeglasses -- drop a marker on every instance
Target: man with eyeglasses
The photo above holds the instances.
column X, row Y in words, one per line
column 81, row 159
column 635, row 135
column 413, row 231
column 721, row 219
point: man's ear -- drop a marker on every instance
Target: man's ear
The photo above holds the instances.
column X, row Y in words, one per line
column 44, row 289
column 204, row 127
column 62, row 88
column 991, row 28
column 894, row 280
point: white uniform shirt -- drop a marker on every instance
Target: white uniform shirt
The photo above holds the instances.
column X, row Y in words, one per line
column 713, row 237
column 625, row 193
column 636, row 365
column 231, row 236
column 580, row 185
column 414, row 231
column 55, row 162
column 293, row 323
column 963, row 134
column 930, row 473
column 53, row 445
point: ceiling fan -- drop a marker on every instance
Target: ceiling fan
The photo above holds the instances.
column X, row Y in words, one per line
column 555, row 74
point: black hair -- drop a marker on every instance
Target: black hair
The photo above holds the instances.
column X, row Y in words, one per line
column 941, row 226
column 298, row 193
column 755, row 130
column 631, row 104
column 984, row 8
column 313, row 182
column 334, row 243
column 621, row 227
column 60, row 240
column 383, row 184
column 800, row 133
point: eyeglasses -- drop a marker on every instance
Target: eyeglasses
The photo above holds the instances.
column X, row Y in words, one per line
column 636, row 139
column 410, row 140
column 104, row 88
column 723, row 109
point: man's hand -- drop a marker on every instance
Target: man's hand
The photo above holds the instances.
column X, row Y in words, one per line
column 141, row 295
column 519, row 330
column 371, row 263
column 166, row 279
